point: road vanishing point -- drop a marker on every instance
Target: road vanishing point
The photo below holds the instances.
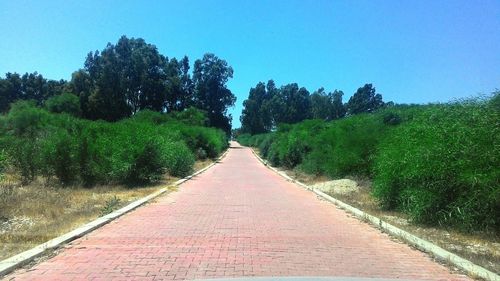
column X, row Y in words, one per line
column 237, row 220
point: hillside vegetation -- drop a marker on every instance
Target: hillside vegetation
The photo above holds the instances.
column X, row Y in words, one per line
column 437, row 163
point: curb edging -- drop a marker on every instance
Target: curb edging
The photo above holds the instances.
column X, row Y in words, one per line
column 10, row 264
column 421, row 244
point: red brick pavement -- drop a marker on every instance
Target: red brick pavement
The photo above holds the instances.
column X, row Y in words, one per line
column 236, row 219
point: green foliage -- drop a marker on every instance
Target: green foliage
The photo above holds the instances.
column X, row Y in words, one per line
column 442, row 167
column 192, row 116
column 59, row 157
column 327, row 106
column 30, row 86
column 437, row 163
column 364, row 100
column 25, row 119
column 64, row 103
column 391, row 118
column 256, row 115
column 148, row 165
column 135, row 150
column 210, row 77
column 211, row 141
column 179, row 159
column 24, row 156
column 495, row 100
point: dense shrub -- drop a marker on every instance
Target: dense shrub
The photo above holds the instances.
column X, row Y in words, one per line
column 64, row 103
column 211, row 141
column 442, row 167
column 59, row 157
column 179, row 159
column 148, row 165
column 337, row 148
column 24, row 156
column 244, row 139
column 437, row 163
column 135, row 150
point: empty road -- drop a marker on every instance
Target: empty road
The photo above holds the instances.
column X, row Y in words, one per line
column 236, row 219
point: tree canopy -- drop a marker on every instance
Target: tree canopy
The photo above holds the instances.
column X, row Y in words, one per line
column 210, row 76
column 268, row 106
column 364, row 100
column 127, row 77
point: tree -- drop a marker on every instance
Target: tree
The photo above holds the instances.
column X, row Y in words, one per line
column 364, row 100
column 291, row 104
column 210, row 77
column 82, row 85
column 338, row 108
column 10, row 90
column 256, row 117
column 29, row 86
column 186, row 99
column 320, row 105
column 125, row 78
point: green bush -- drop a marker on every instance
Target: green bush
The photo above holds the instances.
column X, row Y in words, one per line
column 179, row 159
column 212, row 141
column 64, row 103
column 24, row 156
column 59, row 157
column 244, row 139
column 135, row 150
column 191, row 116
column 148, row 165
column 442, row 167
column 25, row 119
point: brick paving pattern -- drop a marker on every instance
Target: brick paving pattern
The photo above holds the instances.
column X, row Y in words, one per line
column 236, row 219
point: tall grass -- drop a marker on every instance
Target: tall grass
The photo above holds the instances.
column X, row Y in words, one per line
column 443, row 167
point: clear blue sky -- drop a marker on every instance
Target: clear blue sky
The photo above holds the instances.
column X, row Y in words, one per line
column 412, row 51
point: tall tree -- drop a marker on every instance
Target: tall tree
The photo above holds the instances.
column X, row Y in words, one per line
column 327, row 106
column 210, row 76
column 126, row 78
column 291, row 104
column 186, row 100
column 81, row 85
column 320, row 105
column 364, row 100
column 256, row 118
column 29, row 86
column 179, row 95
column 338, row 108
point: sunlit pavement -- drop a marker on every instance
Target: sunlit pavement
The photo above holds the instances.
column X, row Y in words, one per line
column 237, row 219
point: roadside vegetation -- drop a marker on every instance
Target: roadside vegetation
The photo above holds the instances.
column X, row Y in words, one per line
column 137, row 150
column 437, row 163
column 131, row 121
column 429, row 169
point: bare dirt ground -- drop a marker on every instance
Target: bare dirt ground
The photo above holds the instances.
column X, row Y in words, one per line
column 35, row 213
column 481, row 248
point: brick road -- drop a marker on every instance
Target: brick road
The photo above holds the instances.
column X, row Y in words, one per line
column 237, row 219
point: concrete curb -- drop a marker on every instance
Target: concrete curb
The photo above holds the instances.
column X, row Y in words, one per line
column 12, row 263
column 472, row 269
